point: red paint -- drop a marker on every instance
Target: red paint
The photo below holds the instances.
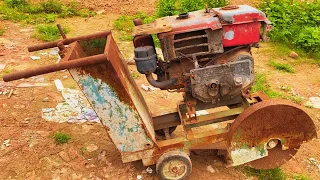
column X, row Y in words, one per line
column 243, row 34
column 248, row 17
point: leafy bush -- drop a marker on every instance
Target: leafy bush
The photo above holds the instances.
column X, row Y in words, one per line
column 172, row 7
column 52, row 6
column 14, row 3
column 45, row 12
column 48, row 32
column 295, row 22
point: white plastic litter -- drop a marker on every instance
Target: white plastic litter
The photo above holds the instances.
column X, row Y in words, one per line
column 2, row 66
column 75, row 109
column 35, row 57
column 58, row 84
column 210, row 169
column 148, row 88
column 315, row 102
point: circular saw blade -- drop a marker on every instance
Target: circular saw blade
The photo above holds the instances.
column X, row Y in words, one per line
column 269, row 120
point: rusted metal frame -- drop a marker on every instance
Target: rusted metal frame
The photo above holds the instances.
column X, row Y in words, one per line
column 184, row 144
column 97, row 59
column 63, row 35
column 196, row 140
column 254, row 98
column 166, row 121
column 189, row 38
column 68, row 41
column 192, row 46
column 178, row 57
column 182, row 115
column 127, row 80
column 216, row 117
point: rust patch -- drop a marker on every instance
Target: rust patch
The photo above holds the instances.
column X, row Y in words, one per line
column 271, row 119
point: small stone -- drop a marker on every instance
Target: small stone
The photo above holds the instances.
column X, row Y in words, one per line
column 102, row 156
column 46, row 99
column 73, row 154
column 294, row 55
column 139, row 177
column 91, row 148
column 35, row 57
column 75, row 176
column 19, row 106
column 64, row 156
column 210, row 169
column 6, row 143
column 101, row 11
column 149, row 170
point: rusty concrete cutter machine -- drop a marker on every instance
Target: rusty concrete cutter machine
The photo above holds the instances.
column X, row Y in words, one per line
column 207, row 57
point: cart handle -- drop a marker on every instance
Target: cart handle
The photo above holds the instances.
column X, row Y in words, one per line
column 67, row 41
column 77, row 63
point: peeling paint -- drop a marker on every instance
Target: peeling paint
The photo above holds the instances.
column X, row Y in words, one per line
column 244, row 154
column 123, row 122
column 229, row 35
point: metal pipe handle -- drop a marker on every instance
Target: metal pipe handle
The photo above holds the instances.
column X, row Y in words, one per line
column 67, row 41
column 77, row 63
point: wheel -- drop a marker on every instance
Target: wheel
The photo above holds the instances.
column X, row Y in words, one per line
column 160, row 132
column 174, row 165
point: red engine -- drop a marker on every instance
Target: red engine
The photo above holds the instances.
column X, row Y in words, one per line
column 206, row 53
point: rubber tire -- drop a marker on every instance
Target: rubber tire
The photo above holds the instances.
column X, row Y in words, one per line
column 172, row 155
column 160, row 132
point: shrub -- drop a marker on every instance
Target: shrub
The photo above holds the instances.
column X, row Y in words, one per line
column 166, row 8
column 14, row 3
column 295, row 22
column 52, row 6
column 61, row 138
column 172, row 7
column 45, row 12
column 48, row 32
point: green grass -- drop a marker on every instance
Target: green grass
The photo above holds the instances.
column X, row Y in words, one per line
column 135, row 75
column 296, row 99
column 44, row 12
column 1, row 31
column 300, row 177
column 48, row 32
column 272, row 174
column 281, row 66
column 61, row 138
column 261, row 84
column 8, row 69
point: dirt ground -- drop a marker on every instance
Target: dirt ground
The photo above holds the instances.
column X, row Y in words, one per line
column 32, row 153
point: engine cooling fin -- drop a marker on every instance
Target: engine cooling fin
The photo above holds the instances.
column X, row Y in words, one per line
column 268, row 134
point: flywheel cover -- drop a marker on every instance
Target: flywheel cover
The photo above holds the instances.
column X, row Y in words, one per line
column 269, row 121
